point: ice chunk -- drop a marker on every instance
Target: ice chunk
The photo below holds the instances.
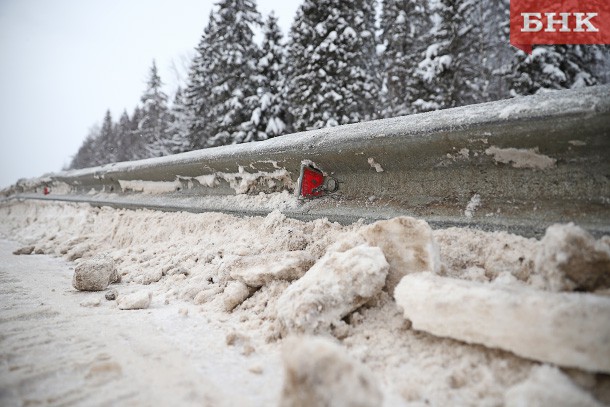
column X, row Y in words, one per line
column 137, row 300
column 94, row 274
column 407, row 244
column 569, row 258
column 320, row 373
column 337, row 284
column 256, row 271
column 568, row 329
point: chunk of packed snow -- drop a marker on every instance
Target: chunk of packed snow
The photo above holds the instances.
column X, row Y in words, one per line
column 408, row 246
column 24, row 250
column 256, row 271
column 150, row 276
column 319, row 372
column 336, row 285
column 138, row 300
column 235, row 293
column 570, row 258
column 94, row 274
column 568, row 329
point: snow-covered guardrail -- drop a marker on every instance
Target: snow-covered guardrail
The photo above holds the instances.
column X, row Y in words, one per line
column 518, row 164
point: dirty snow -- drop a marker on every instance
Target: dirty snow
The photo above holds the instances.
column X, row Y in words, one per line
column 149, row 187
column 521, row 157
column 241, row 182
column 375, row 165
column 472, row 206
column 218, row 320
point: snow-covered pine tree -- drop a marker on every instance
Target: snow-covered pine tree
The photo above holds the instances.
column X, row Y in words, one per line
column 496, row 51
column 553, row 67
column 136, row 149
column 107, row 143
column 268, row 106
column 233, row 72
column 223, row 76
column 155, row 117
column 451, row 73
column 122, row 131
column 178, row 130
column 86, row 155
column 198, row 93
column 332, row 77
column 403, row 24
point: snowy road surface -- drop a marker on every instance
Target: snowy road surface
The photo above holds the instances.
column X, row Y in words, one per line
column 54, row 351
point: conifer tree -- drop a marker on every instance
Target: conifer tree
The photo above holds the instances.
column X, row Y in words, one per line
column 268, row 107
column 450, row 73
column 107, row 143
column 85, row 157
column 155, row 116
column 404, row 24
column 332, row 76
column 224, row 76
column 198, row 93
column 553, row 67
column 137, row 143
column 233, row 72
column 123, row 136
column 496, row 51
column 178, row 131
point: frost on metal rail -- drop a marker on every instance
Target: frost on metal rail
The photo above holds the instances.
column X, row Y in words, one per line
column 518, row 164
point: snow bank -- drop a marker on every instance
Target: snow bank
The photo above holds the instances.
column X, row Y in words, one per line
column 319, row 372
column 568, row 329
column 247, row 275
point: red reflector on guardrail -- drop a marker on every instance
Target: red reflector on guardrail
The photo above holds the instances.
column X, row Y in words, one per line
column 315, row 183
column 312, row 182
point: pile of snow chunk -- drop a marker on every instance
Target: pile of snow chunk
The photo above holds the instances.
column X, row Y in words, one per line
column 319, row 372
column 95, row 274
column 568, row 329
column 569, row 258
column 336, row 285
column 308, row 285
column 407, row 244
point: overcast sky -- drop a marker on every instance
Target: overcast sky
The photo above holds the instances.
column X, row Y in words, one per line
column 64, row 62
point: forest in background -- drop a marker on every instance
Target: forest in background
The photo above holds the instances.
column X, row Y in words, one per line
column 341, row 63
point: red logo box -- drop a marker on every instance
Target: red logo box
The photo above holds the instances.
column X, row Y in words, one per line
column 559, row 22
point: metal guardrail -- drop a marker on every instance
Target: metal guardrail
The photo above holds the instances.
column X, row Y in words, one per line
column 518, row 165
